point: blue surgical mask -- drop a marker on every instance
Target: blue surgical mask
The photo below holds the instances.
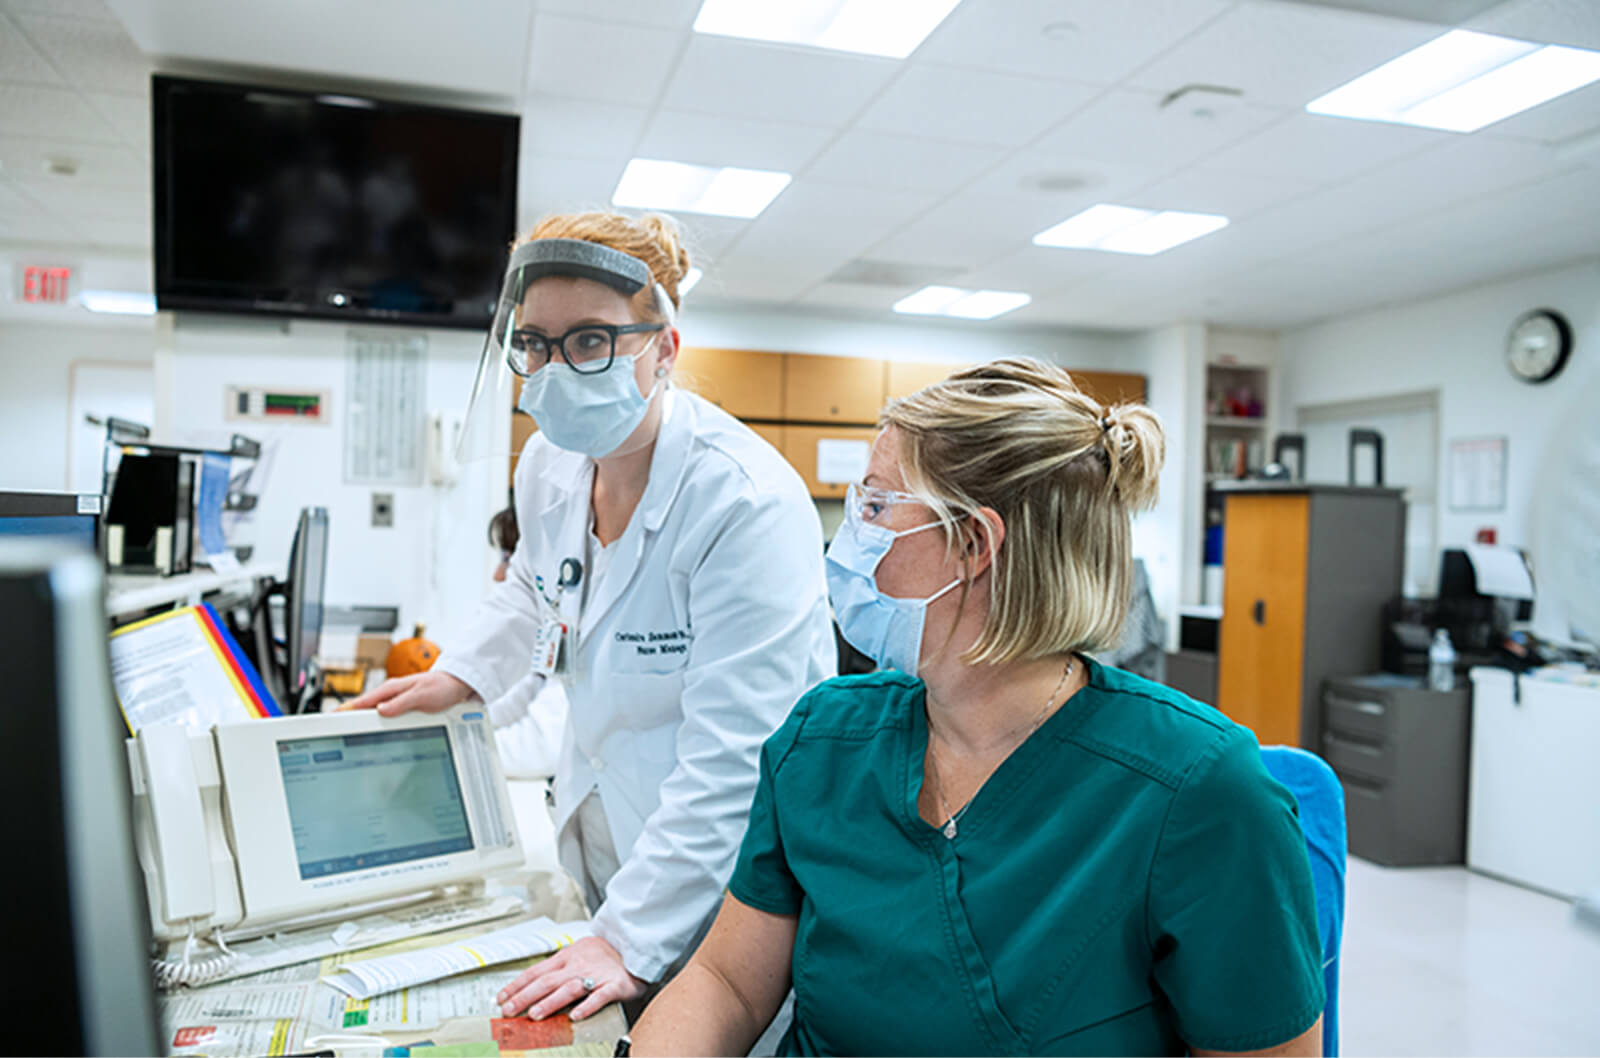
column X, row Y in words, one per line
column 592, row 414
column 885, row 629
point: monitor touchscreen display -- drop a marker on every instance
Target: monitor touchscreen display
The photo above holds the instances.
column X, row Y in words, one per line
column 362, row 801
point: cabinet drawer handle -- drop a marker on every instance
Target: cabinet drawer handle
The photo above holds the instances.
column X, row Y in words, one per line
column 1259, row 612
column 1369, row 708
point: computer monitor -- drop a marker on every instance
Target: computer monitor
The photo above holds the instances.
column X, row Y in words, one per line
column 308, row 567
column 73, row 517
column 75, row 928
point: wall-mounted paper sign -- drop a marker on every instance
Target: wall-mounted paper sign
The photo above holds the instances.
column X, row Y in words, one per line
column 841, row 462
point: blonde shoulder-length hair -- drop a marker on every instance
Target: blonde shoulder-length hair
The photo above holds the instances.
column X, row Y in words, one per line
column 1064, row 473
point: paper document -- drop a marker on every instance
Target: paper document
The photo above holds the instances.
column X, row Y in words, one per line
column 373, row 977
column 179, row 668
column 841, row 462
column 1500, row 571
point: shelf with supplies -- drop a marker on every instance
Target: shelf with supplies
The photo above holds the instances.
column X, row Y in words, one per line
column 134, row 593
column 1238, row 422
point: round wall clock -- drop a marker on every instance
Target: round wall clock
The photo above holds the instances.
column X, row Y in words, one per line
column 1538, row 346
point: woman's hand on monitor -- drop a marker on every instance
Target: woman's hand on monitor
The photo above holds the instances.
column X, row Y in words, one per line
column 426, row 692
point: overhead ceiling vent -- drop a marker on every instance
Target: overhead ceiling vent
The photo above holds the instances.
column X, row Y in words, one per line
column 1443, row 12
column 892, row 273
column 1201, row 101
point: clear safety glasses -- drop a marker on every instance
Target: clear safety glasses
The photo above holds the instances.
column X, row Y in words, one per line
column 868, row 505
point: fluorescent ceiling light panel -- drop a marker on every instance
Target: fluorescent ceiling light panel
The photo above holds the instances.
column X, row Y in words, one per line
column 1462, row 82
column 1126, row 229
column 965, row 304
column 122, row 302
column 890, row 28
column 651, row 184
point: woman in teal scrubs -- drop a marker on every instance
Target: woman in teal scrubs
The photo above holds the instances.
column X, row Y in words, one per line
column 997, row 845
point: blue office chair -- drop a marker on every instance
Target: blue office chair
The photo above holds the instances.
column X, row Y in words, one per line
column 1321, row 799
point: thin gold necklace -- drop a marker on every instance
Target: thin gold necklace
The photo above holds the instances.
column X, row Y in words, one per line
column 951, row 818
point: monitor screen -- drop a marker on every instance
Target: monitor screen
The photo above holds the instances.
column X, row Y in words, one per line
column 315, row 204
column 369, row 800
column 65, row 517
column 308, row 567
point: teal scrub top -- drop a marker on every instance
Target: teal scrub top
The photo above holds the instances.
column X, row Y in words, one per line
column 1129, row 881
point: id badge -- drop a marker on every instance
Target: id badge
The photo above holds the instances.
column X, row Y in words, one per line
column 550, row 648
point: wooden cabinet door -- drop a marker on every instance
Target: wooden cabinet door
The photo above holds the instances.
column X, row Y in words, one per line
column 1261, row 653
column 800, row 448
column 842, row 389
column 771, row 433
column 742, row 382
column 903, row 377
column 1111, row 387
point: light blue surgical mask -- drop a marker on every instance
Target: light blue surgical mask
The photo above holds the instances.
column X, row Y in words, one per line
column 885, row 629
column 592, row 414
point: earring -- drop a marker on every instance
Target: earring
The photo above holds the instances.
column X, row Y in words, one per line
column 661, row 372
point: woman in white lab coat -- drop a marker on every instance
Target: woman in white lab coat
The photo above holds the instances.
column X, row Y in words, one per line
column 683, row 556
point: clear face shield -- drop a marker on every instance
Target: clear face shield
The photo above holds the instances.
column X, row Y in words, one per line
column 565, row 359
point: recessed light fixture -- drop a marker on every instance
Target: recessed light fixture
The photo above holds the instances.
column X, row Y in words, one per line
column 890, row 28
column 648, row 183
column 1462, row 82
column 965, row 304
column 1127, row 229
column 121, row 302
column 690, row 278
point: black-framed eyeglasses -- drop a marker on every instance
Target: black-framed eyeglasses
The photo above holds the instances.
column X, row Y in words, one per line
column 588, row 350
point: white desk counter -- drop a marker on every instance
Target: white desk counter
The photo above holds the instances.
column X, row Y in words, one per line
column 128, row 593
column 1534, row 809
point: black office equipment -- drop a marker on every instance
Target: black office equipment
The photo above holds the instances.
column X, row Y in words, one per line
column 150, row 514
column 77, row 924
column 329, row 205
column 68, row 516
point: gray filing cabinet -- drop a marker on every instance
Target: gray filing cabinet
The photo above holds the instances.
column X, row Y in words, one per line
column 1400, row 751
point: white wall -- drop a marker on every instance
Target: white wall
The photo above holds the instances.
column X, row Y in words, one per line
column 1455, row 344
column 434, row 562
column 37, row 354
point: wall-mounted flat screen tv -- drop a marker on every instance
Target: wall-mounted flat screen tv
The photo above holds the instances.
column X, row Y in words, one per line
column 328, row 205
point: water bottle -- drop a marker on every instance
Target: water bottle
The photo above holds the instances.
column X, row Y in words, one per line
column 1441, row 663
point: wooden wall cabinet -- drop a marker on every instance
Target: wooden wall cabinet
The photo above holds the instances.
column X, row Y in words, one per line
column 744, row 383
column 1112, row 387
column 1306, row 572
column 800, row 449
column 825, row 389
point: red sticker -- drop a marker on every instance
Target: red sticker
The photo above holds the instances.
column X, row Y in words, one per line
column 197, row 1034
column 525, row 1034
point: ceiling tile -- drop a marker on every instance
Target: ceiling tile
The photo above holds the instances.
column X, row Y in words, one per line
column 770, row 82
column 902, row 163
column 973, row 106
column 1284, row 54
column 1575, row 23
column 1036, row 270
column 819, row 222
column 1088, row 40
column 1233, row 195
column 1131, row 129
column 476, row 48
column 75, row 8
column 974, row 228
column 20, row 61
column 27, row 110
column 89, row 205
column 744, row 142
column 97, row 166
column 564, row 185
column 591, row 60
column 1320, row 149
column 708, row 238
column 128, row 116
column 94, row 56
column 662, row 14
column 553, row 127
column 854, row 296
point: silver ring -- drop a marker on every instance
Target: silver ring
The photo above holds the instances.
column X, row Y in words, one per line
column 588, row 984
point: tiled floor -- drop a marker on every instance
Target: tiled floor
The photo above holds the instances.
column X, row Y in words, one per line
column 1442, row 961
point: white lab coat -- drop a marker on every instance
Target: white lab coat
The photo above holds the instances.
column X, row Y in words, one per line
column 710, row 623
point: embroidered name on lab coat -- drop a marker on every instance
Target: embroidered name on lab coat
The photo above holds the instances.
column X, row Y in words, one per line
column 649, row 644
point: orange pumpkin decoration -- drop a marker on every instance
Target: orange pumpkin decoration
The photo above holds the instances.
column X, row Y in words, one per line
column 411, row 656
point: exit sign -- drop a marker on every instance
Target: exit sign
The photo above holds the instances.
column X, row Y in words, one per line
column 45, row 284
